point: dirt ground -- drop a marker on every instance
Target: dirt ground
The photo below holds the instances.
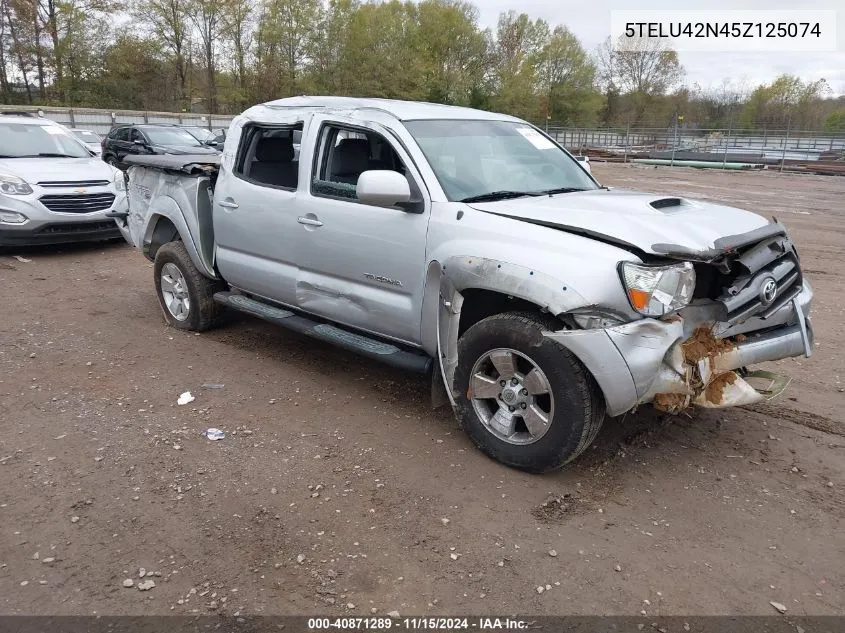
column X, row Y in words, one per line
column 338, row 491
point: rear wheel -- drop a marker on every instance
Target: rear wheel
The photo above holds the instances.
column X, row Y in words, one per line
column 186, row 295
column 525, row 400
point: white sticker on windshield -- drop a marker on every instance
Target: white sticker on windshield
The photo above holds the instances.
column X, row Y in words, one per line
column 52, row 129
column 535, row 138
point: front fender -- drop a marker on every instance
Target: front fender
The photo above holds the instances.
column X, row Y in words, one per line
column 443, row 301
column 513, row 280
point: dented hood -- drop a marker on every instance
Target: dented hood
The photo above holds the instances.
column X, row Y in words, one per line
column 651, row 223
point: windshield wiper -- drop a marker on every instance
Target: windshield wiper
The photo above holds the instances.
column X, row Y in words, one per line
column 551, row 192
column 500, row 195
column 47, row 155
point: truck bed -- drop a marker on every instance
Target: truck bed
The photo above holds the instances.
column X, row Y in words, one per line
column 193, row 164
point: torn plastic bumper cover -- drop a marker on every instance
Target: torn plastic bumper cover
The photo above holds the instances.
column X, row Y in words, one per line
column 678, row 361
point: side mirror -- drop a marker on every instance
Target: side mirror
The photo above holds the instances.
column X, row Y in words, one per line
column 138, row 141
column 212, row 142
column 383, row 188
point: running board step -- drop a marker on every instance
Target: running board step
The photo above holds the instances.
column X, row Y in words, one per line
column 373, row 348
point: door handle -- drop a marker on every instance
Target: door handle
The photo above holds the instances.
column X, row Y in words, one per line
column 229, row 204
column 309, row 221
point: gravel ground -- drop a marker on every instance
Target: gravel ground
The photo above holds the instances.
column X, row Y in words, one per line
column 338, row 491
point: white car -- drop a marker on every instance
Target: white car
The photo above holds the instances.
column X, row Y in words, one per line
column 52, row 190
column 91, row 140
column 585, row 162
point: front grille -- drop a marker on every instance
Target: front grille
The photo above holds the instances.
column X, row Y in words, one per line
column 763, row 278
column 78, row 227
column 73, row 183
column 78, row 203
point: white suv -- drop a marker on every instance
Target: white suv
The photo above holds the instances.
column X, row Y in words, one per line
column 52, row 188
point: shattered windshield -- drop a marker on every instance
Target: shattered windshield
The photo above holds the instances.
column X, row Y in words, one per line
column 489, row 160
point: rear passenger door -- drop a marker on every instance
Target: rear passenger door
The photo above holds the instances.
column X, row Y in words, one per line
column 255, row 225
column 118, row 141
column 360, row 265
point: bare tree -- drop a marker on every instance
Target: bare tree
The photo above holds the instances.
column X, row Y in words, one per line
column 168, row 20
column 647, row 66
column 237, row 30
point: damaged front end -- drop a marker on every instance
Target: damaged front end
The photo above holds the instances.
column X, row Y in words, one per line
column 750, row 305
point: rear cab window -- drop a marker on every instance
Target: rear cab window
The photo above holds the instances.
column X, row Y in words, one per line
column 269, row 155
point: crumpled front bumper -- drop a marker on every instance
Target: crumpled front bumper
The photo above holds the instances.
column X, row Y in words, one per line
column 686, row 359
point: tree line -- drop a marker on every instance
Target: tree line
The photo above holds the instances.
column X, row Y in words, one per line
column 220, row 56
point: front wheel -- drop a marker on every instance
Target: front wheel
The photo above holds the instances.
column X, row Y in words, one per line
column 186, row 295
column 524, row 399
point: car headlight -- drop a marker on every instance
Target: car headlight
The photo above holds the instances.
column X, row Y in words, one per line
column 119, row 181
column 14, row 186
column 658, row 290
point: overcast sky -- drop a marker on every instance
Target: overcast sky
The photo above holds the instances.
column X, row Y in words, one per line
column 590, row 21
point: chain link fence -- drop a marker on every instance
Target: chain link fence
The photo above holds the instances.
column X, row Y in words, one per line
column 761, row 144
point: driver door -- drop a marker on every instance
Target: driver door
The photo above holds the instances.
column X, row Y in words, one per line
column 360, row 265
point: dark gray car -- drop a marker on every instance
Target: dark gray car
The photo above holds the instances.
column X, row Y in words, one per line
column 126, row 140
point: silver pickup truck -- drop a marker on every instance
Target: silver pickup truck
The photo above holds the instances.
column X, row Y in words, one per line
column 469, row 245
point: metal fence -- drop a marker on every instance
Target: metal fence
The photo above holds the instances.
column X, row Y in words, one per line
column 763, row 143
column 101, row 121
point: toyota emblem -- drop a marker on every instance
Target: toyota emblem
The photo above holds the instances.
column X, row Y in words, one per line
column 768, row 291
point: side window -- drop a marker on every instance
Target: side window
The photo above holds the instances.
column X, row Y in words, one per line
column 120, row 134
column 267, row 156
column 345, row 154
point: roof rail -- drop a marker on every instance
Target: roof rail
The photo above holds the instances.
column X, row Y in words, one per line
column 331, row 108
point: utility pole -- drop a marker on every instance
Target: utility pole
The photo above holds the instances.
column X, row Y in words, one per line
column 786, row 140
column 727, row 140
column 675, row 139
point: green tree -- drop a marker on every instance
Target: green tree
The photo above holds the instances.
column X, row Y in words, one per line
column 516, row 56
column 451, row 49
column 835, row 121
column 786, row 102
column 379, row 59
column 567, row 79
column 237, row 32
column 207, row 17
column 287, row 33
column 135, row 75
column 170, row 26
column 329, row 44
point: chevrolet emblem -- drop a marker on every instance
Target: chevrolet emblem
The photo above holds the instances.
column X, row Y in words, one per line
column 80, row 190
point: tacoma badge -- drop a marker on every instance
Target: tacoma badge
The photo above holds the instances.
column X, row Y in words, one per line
column 383, row 280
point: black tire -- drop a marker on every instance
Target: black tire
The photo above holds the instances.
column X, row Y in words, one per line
column 578, row 404
column 204, row 312
column 111, row 160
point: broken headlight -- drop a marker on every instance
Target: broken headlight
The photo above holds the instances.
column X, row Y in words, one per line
column 658, row 290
